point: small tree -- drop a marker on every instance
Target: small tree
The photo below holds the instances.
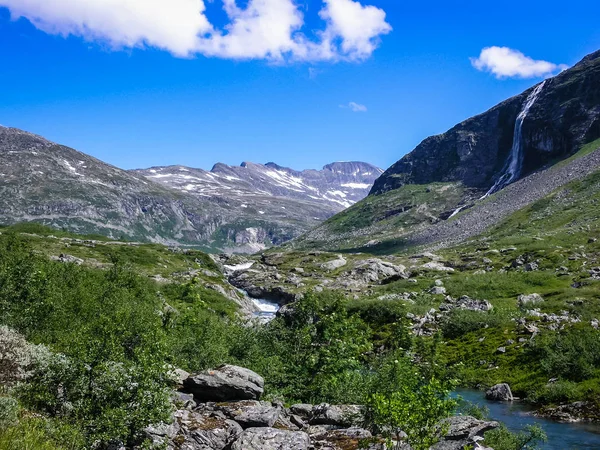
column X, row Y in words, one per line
column 405, row 406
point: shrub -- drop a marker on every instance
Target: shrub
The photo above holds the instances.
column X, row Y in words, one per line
column 463, row 321
column 9, row 412
column 403, row 401
column 573, row 355
column 503, row 439
column 15, row 357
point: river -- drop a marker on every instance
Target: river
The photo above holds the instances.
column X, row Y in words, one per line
column 516, row 415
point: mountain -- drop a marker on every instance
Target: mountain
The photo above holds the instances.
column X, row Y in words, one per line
column 335, row 187
column 243, row 209
column 427, row 195
column 564, row 116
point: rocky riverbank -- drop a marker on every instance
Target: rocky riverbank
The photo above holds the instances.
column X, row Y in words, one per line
column 220, row 409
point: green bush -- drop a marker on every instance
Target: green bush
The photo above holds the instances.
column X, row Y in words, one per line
column 462, row 321
column 572, row 355
column 503, row 439
column 403, row 400
column 106, row 369
column 40, row 434
column 9, row 411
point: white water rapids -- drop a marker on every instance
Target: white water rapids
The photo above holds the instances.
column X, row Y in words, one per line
column 514, row 163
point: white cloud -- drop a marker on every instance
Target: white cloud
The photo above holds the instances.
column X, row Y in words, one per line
column 355, row 107
column 506, row 62
column 170, row 25
column 264, row 29
column 358, row 27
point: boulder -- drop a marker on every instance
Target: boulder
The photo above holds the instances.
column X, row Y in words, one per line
column 250, row 413
column 225, row 383
column 303, row 410
column 338, row 415
column 271, row 439
column 437, row 266
column 374, row 269
column 464, row 432
column 334, row 264
column 499, row 392
column 349, row 438
column 531, row 299
column 194, row 431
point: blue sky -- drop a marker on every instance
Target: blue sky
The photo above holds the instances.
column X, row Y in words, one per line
column 144, row 94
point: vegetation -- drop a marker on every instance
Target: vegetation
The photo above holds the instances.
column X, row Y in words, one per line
column 92, row 346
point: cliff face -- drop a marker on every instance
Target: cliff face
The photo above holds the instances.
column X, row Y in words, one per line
column 565, row 115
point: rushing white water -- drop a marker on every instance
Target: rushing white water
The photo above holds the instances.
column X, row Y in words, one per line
column 514, row 163
column 457, row 210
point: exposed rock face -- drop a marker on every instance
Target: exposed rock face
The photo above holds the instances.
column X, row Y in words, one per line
column 271, row 439
column 225, row 383
column 531, row 299
column 242, row 424
column 464, row 432
column 339, row 415
column 572, row 412
column 251, row 413
column 191, row 430
column 499, row 392
column 565, row 116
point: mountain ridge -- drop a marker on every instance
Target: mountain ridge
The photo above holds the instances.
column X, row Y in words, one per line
column 474, row 150
column 453, row 171
column 65, row 188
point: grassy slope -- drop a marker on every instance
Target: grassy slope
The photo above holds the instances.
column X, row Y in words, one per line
column 383, row 217
column 379, row 224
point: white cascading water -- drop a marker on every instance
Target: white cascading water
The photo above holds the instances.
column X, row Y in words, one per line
column 514, row 164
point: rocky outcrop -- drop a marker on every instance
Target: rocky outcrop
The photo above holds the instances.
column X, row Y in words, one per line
column 239, row 424
column 531, row 299
column 565, row 116
column 271, row 439
column 464, row 432
column 225, row 383
column 500, row 393
column 572, row 412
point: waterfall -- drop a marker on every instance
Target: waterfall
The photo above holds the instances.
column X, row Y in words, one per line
column 514, row 163
column 456, row 211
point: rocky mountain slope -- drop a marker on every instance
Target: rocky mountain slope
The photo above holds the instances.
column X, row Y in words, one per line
column 339, row 184
column 64, row 188
column 446, row 174
column 564, row 116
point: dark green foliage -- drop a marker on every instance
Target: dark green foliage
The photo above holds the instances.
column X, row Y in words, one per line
column 314, row 353
column 574, row 355
column 107, row 373
column 402, row 399
column 463, row 321
column 502, row 439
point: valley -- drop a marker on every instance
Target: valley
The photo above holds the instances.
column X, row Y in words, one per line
column 260, row 307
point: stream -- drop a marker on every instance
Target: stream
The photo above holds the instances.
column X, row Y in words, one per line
column 516, row 415
column 267, row 309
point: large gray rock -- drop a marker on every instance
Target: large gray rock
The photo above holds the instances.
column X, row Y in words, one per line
column 464, row 432
column 225, row 383
column 338, row 415
column 251, row 413
column 531, row 299
column 192, row 430
column 271, row 439
column 375, row 269
column 499, row 392
column 334, row 264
